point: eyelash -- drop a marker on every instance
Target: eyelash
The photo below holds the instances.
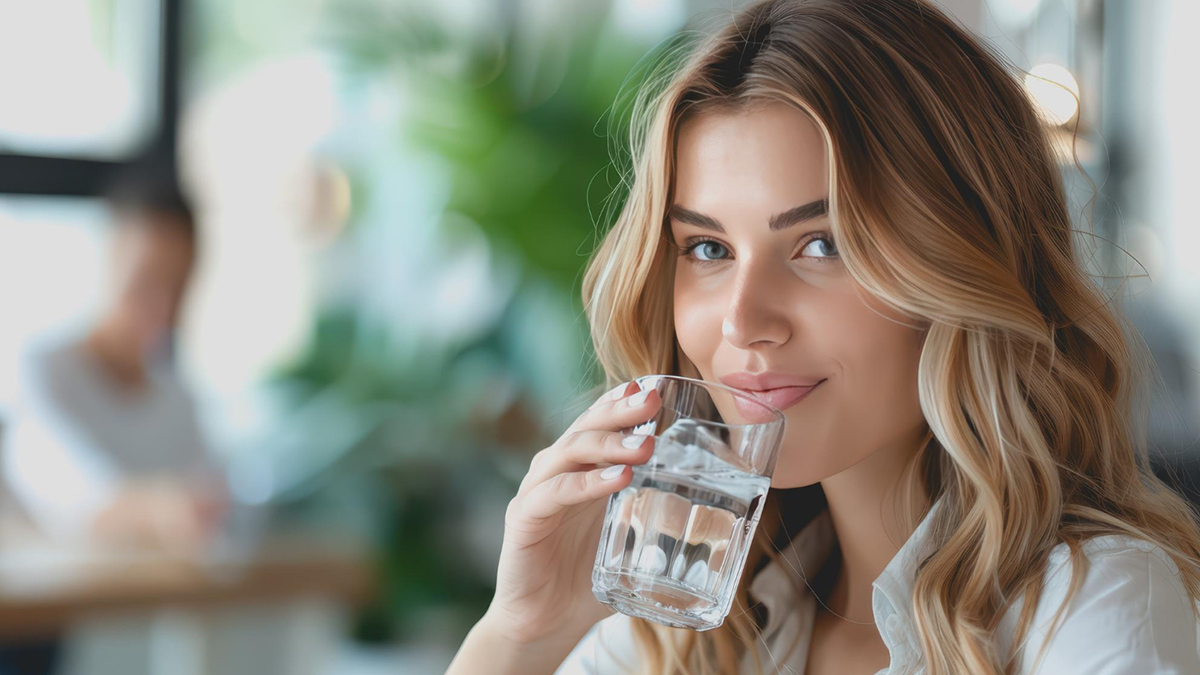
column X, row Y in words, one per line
column 692, row 243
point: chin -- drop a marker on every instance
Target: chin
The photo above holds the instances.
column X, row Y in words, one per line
column 788, row 483
column 787, row 477
column 801, row 467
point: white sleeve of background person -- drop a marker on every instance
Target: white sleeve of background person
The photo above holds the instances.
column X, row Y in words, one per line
column 52, row 469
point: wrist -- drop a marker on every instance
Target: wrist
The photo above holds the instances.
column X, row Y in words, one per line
column 515, row 653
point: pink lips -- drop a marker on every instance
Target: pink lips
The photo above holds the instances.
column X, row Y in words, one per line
column 780, row 398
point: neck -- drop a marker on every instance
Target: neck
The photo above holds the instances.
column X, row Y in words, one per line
column 115, row 353
column 872, row 522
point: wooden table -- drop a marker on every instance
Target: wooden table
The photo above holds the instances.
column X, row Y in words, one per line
column 44, row 589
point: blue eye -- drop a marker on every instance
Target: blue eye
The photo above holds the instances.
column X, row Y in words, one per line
column 706, row 247
column 713, row 251
column 830, row 249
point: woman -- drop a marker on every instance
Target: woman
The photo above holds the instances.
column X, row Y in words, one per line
column 858, row 194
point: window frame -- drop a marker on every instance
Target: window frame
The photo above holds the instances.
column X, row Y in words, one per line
column 24, row 174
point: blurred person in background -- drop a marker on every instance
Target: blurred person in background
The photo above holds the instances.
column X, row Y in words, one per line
column 106, row 446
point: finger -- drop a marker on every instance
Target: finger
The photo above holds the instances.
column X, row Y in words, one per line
column 611, row 417
column 585, row 450
column 615, row 394
column 568, row 489
column 625, row 412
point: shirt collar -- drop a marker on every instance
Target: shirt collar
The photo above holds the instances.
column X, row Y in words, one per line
column 891, row 599
column 802, row 558
column 808, row 550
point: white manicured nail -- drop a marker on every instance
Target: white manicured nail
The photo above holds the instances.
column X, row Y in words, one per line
column 612, row 471
column 616, row 393
column 633, row 441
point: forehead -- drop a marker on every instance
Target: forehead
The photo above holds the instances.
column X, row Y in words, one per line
column 763, row 154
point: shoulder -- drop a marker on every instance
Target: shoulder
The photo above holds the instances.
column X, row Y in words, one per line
column 607, row 649
column 1130, row 612
column 45, row 357
column 47, row 370
column 1114, row 561
column 52, row 357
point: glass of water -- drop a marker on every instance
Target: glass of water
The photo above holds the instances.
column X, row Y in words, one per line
column 674, row 542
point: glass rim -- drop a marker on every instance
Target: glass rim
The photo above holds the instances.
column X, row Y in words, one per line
column 779, row 418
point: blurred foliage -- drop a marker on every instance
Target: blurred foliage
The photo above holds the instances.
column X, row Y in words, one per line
column 536, row 151
column 531, row 131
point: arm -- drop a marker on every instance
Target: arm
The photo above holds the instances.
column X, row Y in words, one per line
column 74, row 487
column 487, row 650
column 53, row 468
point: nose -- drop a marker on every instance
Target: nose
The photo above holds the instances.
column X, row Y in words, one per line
column 756, row 315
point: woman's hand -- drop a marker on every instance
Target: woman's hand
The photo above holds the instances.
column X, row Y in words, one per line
column 552, row 526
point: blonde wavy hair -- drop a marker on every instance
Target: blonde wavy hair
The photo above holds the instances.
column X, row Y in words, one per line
column 946, row 204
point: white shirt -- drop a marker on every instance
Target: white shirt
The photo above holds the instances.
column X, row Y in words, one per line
column 77, row 435
column 1130, row 616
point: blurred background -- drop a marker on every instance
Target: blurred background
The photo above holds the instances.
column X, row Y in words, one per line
column 377, row 321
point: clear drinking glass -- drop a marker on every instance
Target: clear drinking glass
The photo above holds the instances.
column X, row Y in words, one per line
column 673, row 543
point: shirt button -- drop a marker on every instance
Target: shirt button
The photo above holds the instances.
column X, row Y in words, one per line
column 893, row 627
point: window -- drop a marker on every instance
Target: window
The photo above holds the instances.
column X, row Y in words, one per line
column 85, row 85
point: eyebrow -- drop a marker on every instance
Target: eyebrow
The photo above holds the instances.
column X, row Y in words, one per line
column 779, row 221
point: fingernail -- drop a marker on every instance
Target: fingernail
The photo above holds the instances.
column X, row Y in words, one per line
column 639, row 398
column 612, row 471
column 633, row 441
column 616, row 393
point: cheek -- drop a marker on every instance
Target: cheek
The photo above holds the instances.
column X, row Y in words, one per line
column 883, row 384
column 869, row 403
column 698, row 319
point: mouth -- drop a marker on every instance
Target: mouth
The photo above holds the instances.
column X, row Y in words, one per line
column 780, row 398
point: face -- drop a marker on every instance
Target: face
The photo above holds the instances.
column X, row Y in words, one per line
column 151, row 265
column 759, row 286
